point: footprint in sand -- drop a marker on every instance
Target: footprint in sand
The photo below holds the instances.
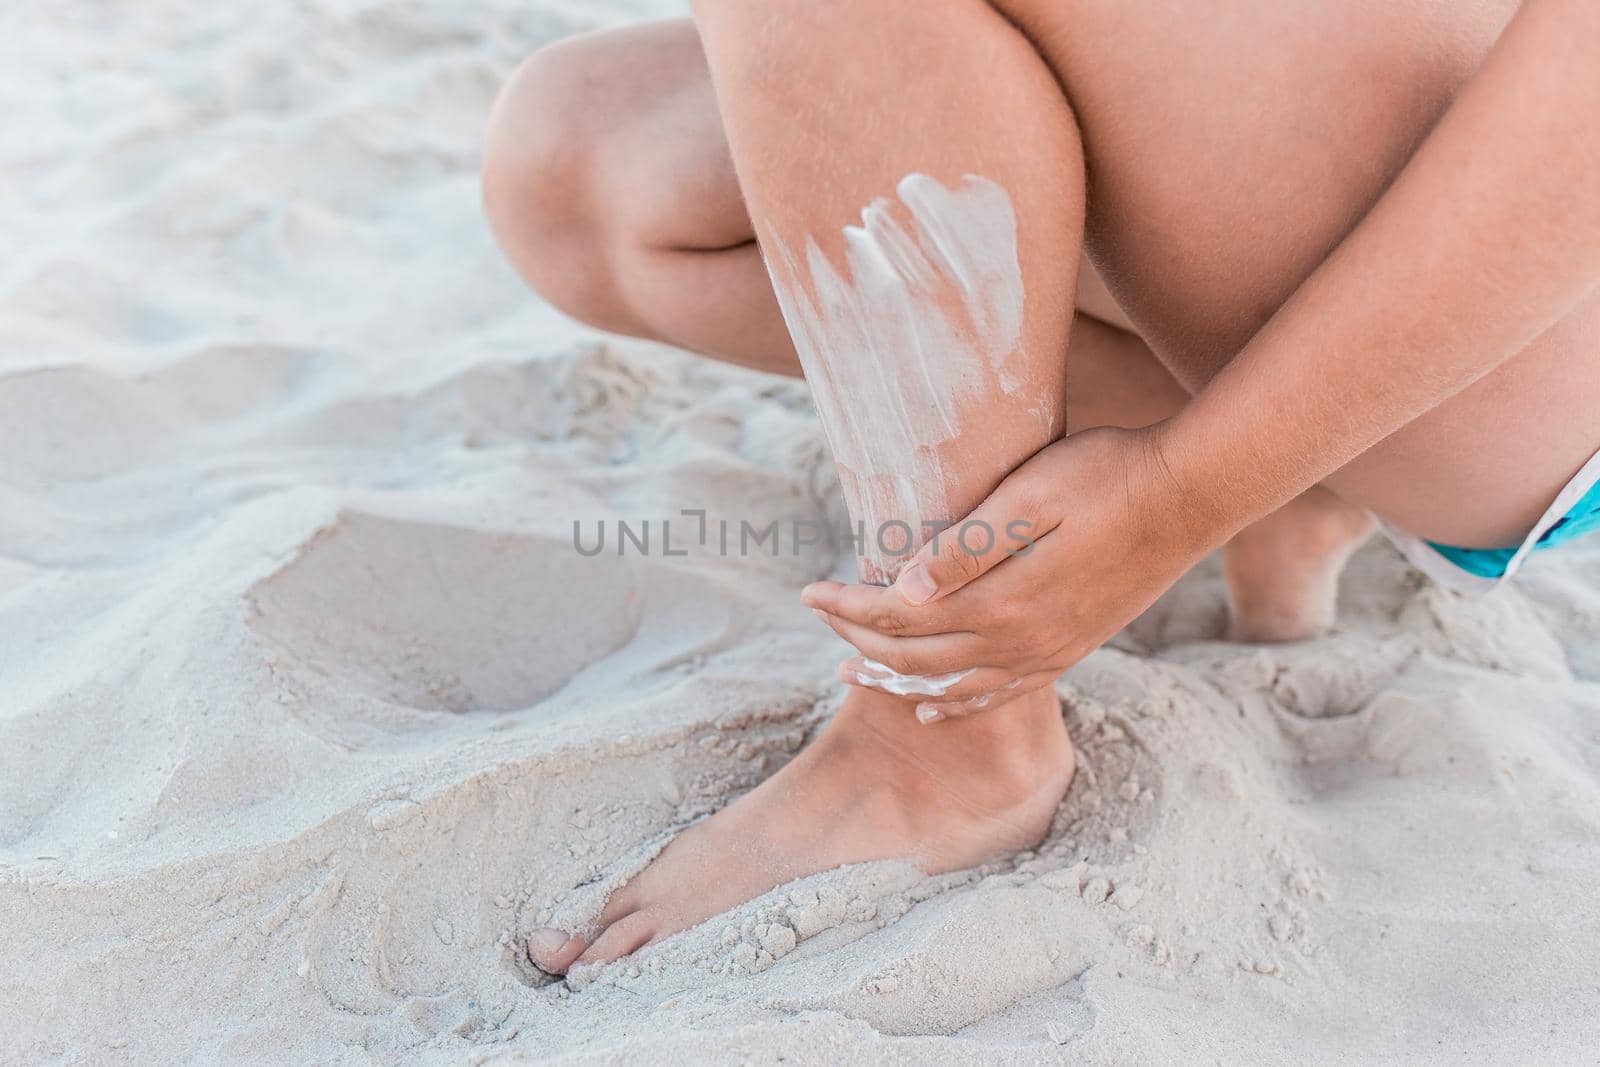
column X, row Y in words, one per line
column 441, row 618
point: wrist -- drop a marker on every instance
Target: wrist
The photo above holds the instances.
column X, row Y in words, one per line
column 1188, row 471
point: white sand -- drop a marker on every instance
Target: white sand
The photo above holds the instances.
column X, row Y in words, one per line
column 308, row 707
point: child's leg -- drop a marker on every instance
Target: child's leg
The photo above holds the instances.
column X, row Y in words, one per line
column 933, row 336
column 925, row 255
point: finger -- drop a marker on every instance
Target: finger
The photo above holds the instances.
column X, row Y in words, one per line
column 876, row 607
column 931, row 711
column 935, row 654
column 950, row 686
column 1005, row 525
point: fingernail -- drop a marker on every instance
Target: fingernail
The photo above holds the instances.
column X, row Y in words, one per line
column 548, row 941
column 927, row 713
column 915, row 586
column 806, row 593
column 819, row 613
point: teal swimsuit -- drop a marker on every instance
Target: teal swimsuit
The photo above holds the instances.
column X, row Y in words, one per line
column 1582, row 518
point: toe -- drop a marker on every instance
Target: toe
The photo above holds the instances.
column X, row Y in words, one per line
column 625, row 900
column 622, row 938
column 554, row 950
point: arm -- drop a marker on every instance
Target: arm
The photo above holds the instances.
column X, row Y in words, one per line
column 1488, row 237
column 1492, row 232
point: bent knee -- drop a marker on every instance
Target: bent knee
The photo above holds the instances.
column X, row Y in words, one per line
column 542, row 155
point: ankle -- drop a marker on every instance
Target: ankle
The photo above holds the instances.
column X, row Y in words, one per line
column 1283, row 572
column 996, row 759
column 1316, row 520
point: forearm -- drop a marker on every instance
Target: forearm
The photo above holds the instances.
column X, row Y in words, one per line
column 1487, row 238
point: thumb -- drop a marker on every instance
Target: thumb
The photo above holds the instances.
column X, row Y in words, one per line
column 1006, row 524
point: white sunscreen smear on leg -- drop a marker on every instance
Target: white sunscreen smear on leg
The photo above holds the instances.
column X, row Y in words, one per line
column 921, row 326
column 909, row 685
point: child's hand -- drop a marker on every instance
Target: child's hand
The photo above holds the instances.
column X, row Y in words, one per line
column 1086, row 535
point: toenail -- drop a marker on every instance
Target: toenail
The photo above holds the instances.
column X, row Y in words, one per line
column 548, row 941
column 927, row 713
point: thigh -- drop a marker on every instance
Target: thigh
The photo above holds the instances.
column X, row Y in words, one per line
column 1217, row 187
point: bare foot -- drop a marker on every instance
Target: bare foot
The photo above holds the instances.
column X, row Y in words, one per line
column 1283, row 572
column 876, row 784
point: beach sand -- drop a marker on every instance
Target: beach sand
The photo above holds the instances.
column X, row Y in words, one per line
column 310, row 710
